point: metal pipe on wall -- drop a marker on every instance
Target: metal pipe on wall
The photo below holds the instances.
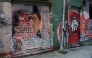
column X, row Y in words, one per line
column 62, row 39
column 61, row 50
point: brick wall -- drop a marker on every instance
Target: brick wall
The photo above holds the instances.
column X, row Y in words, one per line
column 6, row 30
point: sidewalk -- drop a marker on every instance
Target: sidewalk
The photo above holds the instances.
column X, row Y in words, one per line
column 79, row 52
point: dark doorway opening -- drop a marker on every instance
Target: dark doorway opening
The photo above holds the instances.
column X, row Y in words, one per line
column 90, row 11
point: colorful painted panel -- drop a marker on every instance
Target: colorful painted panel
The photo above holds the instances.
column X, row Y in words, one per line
column 74, row 32
column 31, row 28
column 84, row 27
column 90, row 30
column 45, row 16
column 86, row 21
column 90, row 26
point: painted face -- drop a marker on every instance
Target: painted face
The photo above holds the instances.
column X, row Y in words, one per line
column 74, row 23
column 35, row 23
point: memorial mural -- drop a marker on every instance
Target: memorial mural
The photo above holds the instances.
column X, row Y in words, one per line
column 31, row 28
column 74, row 31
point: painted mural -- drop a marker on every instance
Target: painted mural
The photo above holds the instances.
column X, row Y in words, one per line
column 31, row 28
column 86, row 22
column 65, row 32
column 90, row 26
column 84, row 28
column 74, row 31
column 90, row 30
column 59, row 31
column 45, row 24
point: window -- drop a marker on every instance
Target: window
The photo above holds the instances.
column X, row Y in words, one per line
column 90, row 11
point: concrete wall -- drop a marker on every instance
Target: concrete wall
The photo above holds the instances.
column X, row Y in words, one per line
column 6, row 30
column 56, row 19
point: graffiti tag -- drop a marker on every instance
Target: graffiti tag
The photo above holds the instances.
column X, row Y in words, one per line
column 1, row 44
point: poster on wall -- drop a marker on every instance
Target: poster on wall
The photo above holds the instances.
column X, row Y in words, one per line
column 28, row 28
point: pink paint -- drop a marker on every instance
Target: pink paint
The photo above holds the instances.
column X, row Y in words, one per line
column 59, row 31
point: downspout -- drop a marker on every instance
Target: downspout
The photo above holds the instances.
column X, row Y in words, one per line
column 61, row 50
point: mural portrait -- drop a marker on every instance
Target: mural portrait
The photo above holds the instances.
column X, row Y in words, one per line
column 28, row 24
column 74, row 22
column 36, row 21
column 74, row 31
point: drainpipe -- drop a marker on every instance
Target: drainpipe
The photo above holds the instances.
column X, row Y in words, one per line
column 62, row 50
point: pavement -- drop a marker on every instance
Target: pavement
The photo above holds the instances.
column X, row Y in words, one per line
column 79, row 52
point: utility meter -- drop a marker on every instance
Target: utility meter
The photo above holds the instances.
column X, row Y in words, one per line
column 2, row 17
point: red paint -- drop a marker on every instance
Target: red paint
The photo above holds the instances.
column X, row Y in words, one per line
column 7, row 53
column 59, row 31
column 73, row 37
column 83, row 22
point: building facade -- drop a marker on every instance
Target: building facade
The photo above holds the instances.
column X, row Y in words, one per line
column 35, row 26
